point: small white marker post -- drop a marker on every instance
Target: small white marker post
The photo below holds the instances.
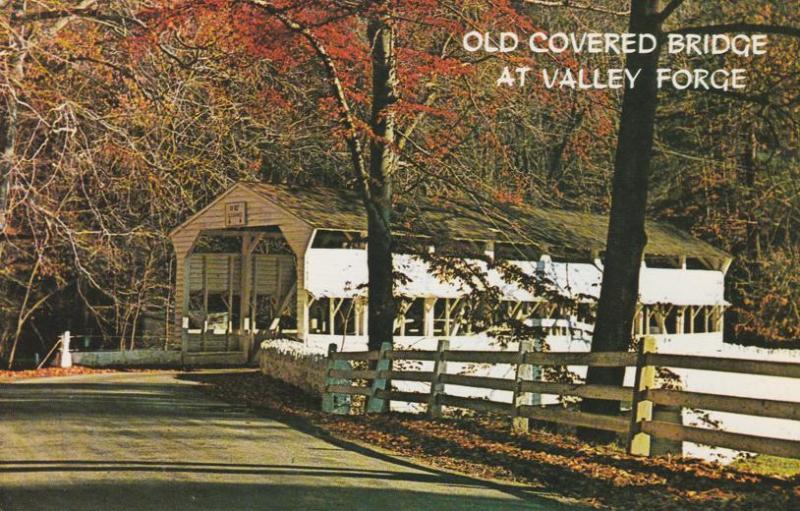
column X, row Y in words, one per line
column 66, row 356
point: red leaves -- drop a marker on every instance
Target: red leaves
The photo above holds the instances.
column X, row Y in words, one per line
column 428, row 35
column 46, row 372
column 509, row 197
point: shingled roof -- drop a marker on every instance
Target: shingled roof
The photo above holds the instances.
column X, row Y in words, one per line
column 549, row 229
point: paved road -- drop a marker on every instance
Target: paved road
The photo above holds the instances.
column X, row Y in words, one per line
column 155, row 442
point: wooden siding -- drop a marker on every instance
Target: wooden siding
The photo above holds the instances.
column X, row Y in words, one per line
column 217, row 271
column 260, row 213
column 274, row 274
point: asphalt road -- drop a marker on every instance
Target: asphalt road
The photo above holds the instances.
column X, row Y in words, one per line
column 155, row 442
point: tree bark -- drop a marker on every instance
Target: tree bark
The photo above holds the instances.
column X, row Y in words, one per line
column 626, row 230
column 20, row 38
column 383, row 161
column 6, row 158
column 374, row 183
column 13, row 70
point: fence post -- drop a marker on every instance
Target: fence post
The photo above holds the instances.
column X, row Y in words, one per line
column 642, row 410
column 377, row 404
column 335, row 403
column 524, row 372
column 66, row 356
column 437, row 387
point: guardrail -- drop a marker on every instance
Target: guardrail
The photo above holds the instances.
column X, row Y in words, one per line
column 638, row 426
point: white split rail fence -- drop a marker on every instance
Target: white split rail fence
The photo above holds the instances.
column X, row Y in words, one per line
column 639, row 426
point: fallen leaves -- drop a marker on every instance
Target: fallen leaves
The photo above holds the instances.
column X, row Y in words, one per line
column 45, row 372
column 598, row 476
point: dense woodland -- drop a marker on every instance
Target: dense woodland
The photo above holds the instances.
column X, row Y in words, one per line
column 120, row 118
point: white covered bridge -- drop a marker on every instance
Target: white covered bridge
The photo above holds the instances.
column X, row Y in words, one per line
column 266, row 260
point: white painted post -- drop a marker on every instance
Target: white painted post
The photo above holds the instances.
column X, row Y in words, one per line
column 447, row 309
column 437, row 387
column 66, row 356
column 489, row 250
column 186, row 290
column 642, row 410
column 246, row 285
column 429, row 308
column 303, row 303
column 364, row 316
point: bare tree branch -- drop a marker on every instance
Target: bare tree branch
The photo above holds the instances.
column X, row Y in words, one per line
column 68, row 13
column 741, row 28
column 673, row 6
column 573, row 5
column 346, row 115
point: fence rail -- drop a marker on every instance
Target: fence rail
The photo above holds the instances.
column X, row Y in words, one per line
column 637, row 425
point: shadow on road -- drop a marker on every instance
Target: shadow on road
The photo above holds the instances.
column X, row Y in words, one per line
column 572, row 469
column 63, row 466
column 156, row 443
column 146, row 494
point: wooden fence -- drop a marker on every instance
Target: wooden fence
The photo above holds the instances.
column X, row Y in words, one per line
column 637, row 426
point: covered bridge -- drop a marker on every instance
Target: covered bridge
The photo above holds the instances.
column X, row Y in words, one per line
column 267, row 260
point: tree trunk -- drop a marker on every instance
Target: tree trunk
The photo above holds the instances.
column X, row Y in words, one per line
column 626, row 230
column 20, row 38
column 13, row 67
column 382, row 164
column 8, row 122
column 375, row 183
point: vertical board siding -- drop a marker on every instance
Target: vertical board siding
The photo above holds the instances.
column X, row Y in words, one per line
column 273, row 274
column 217, row 272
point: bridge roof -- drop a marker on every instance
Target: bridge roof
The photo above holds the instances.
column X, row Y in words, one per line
column 551, row 230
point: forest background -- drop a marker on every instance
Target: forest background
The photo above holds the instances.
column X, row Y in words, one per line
column 120, row 118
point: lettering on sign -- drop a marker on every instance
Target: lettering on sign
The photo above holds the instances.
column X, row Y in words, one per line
column 235, row 214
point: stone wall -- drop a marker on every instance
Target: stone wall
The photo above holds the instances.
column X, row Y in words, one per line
column 134, row 358
column 296, row 364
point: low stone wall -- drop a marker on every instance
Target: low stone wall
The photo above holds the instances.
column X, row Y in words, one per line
column 294, row 363
column 134, row 358
column 215, row 359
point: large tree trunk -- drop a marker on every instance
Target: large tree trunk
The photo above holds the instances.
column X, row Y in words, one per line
column 20, row 38
column 626, row 230
column 375, row 183
column 13, row 68
column 6, row 157
column 382, row 164
column 8, row 140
